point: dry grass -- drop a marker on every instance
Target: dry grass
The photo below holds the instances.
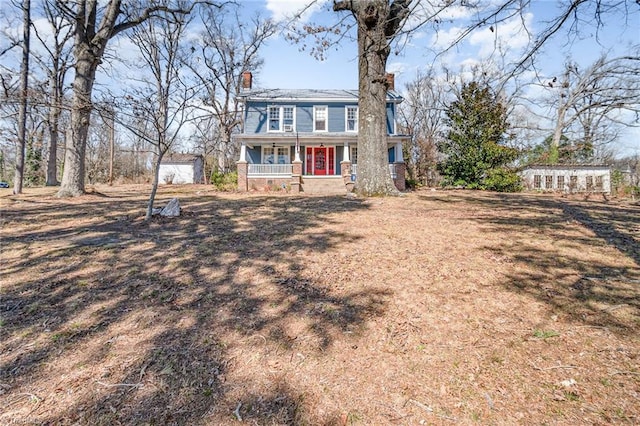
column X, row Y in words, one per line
column 434, row 308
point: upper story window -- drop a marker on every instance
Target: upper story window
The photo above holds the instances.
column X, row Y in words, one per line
column 281, row 118
column 320, row 118
column 351, row 118
column 288, row 118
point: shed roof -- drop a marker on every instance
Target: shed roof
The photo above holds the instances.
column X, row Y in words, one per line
column 567, row 166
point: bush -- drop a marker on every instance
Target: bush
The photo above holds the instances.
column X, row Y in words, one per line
column 224, row 181
column 502, row 180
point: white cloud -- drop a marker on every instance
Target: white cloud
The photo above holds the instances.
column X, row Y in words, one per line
column 510, row 35
column 289, row 9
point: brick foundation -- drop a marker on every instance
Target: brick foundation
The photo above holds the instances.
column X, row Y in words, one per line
column 270, row 184
column 401, row 169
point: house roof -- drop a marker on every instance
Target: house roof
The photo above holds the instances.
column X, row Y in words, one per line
column 325, row 95
column 180, row 158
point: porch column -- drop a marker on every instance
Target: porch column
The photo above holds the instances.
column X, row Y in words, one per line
column 398, row 153
column 243, row 152
column 296, row 153
column 345, row 167
column 296, row 174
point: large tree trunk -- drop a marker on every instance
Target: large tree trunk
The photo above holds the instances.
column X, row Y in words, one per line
column 74, row 167
column 378, row 23
column 373, row 160
column 22, row 113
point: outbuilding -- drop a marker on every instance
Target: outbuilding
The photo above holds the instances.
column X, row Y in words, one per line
column 182, row 169
column 569, row 178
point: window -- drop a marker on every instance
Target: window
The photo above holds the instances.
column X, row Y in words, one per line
column 537, row 181
column 351, row 119
column 274, row 119
column 599, row 183
column 573, row 182
column 275, row 155
column 319, row 118
column 548, row 182
column 281, row 119
column 589, row 183
column 354, row 155
column 287, row 118
column 560, row 183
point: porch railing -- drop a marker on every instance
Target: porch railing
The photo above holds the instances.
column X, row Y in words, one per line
column 392, row 170
column 270, row 169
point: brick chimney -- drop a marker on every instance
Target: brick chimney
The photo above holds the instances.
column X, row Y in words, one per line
column 246, row 80
column 391, row 81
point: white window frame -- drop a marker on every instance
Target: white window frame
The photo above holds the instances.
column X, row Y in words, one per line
column 276, row 152
column 353, row 155
column 280, row 109
column 346, row 118
column 326, row 117
column 269, row 119
column 293, row 117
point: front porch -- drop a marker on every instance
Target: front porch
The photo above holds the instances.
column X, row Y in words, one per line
column 291, row 177
column 287, row 161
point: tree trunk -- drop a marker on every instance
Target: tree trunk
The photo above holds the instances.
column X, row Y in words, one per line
column 51, row 161
column 554, row 148
column 24, row 85
column 373, row 158
column 378, row 23
column 154, row 186
column 74, row 167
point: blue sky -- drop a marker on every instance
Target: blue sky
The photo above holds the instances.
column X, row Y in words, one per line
column 287, row 67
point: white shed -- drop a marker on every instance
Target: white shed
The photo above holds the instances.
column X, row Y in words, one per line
column 181, row 169
column 567, row 178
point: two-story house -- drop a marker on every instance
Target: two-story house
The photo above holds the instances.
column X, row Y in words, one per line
column 306, row 140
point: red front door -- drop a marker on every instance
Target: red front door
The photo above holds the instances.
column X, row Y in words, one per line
column 320, row 161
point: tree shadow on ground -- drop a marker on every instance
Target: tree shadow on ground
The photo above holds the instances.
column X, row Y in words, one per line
column 557, row 245
column 185, row 290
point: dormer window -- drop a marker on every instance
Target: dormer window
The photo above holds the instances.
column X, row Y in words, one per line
column 320, row 118
column 281, row 119
column 351, row 118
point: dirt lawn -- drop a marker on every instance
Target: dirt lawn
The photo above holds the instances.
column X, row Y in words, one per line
column 434, row 308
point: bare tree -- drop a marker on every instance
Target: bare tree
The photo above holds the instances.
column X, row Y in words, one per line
column 588, row 103
column 94, row 25
column 421, row 115
column 230, row 46
column 205, row 137
column 163, row 101
column 55, row 63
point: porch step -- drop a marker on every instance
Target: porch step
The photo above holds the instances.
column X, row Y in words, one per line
column 323, row 185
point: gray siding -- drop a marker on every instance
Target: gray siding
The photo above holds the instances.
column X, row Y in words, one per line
column 256, row 118
column 254, row 154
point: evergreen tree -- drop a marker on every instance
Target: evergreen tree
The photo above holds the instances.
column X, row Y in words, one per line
column 474, row 151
